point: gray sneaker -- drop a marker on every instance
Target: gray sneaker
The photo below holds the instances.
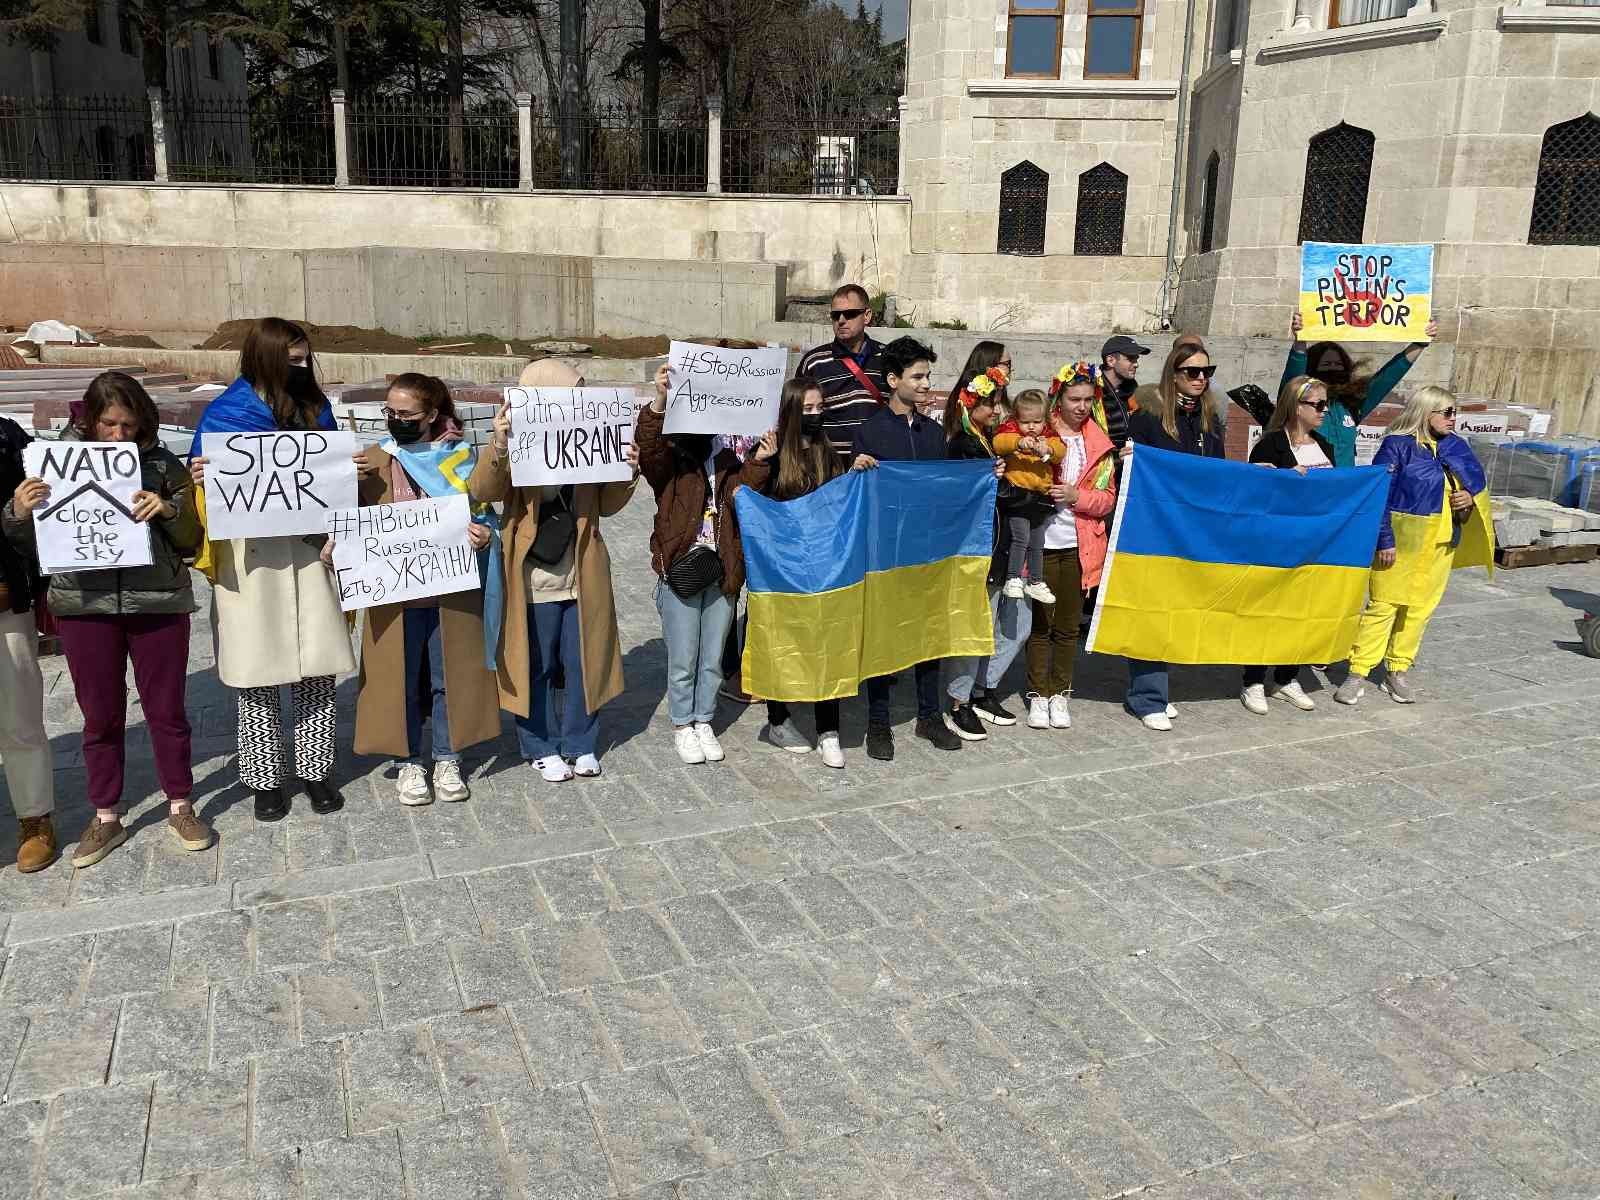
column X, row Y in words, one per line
column 1350, row 690
column 1399, row 687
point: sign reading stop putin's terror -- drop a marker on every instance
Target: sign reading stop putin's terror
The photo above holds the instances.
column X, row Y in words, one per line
column 276, row 484
column 1376, row 293
column 87, row 524
column 716, row 390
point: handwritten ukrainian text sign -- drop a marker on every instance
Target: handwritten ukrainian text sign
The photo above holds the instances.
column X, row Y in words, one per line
column 389, row 553
column 276, row 484
column 570, row 435
column 1377, row 293
column 87, row 524
column 713, row 390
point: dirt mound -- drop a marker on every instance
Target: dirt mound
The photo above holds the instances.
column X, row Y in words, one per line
column 352, row 339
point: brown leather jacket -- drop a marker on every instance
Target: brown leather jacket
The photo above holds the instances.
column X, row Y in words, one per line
column 680, row 489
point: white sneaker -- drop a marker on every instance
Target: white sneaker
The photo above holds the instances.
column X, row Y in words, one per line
column 1014, row 589
column 586, row 767
column 1294, row 694
column 687, row 743
column 1254, row 698
column 447, row 781
column 832, row 752
column 1038, row 711
column 785, row 737
column 1039, row 590
column 1157, row 721
column 554, row 768
column 1060, row 718
column 709, row 746
column 413, row 785
column 1172, row 712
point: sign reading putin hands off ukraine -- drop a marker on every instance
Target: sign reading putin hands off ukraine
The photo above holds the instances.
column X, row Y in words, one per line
column 1365, row 293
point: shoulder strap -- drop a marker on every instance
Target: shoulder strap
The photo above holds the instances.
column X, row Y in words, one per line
column 862, row 378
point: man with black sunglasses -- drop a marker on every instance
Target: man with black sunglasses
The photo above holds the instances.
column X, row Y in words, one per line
column 848, row 370
column 1119, row 362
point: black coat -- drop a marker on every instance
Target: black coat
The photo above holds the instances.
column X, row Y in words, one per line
column 1274, row 449
column 16, row 567
column 965, row 446
column 888, row 437
column 1145, row 429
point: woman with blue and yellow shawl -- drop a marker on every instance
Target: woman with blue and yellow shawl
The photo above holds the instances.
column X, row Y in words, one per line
column 1437, row 519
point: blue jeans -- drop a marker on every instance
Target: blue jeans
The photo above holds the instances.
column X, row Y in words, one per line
column 425, row 685
column 1013, row 622
column 695, row 631
column 1147, row 687
column 554, row 640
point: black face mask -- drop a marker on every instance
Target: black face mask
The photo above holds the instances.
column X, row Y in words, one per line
column 1333, row 374
column 301, row 382
column 811, row 424
column 696, row 447
column 405, row 432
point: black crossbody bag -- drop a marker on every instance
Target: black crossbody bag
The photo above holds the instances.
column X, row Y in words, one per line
column 557, row 528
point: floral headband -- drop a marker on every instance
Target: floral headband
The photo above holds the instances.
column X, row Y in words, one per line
column 982, row 387
column 1078, row 372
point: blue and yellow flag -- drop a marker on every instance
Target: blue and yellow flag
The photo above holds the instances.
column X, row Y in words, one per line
column 1221, row 562
column 867, row 575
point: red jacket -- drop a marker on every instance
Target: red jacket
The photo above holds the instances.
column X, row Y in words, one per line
column 1092, row 512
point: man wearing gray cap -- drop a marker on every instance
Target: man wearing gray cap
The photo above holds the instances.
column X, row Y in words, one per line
column 1119, row 361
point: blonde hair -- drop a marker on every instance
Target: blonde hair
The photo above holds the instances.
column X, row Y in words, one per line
column 1424, row 402
column 1167, row 390
column 1297, row 389
column 1032, row 398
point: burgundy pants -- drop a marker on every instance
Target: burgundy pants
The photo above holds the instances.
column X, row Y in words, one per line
column 98, row 650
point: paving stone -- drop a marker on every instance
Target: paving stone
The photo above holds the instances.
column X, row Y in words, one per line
column 251, row 1016
column 479, row 1059
column 1107, row 1154
column 1104, row 1029
column 292, row 935
column 789, row 988
column 438, row 909
column 337, row 999
column 392, row 1079
column 836, row 1169
column 458, row 1157
column 494, row 970
column 756, row 855
column 647, row 1135
column 986, row 951
column 506, row 898
column 564, row 1038
column 856, row 973
column 1426, row 1060
column 638, row 942
column 769, row 915
column 416, row 983
column 705, row 928
column 22, row 1131
column 1179, row 1133
column 817, row 1097
column 642, row 1022
column 13, row 1028
column 569, row 954
column 67, row 1049
column 1140, row 990
column 863, row 838
column 699, row 864
column 299, row 1098
column 749, row 1181
column 366, row 1167
column 1012, row 1159
column 553, row 1150
column 574, row 887
column 129, row 960
column 197, row 1121
column 1316, row 1094
column 718, row 1005
column 638, row 876
column 914, row 1160
column 736, row 1119
column 79, row 1160
column 162, row 1031
column 46, row 974
column 368, row 923
column 828, row 905
column 887, row 893
column 892, row 1078
column 1040, row 1045
column 211, row 947
column 807, row 843
column 928, row 968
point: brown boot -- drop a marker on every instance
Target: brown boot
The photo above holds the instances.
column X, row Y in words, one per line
column 36, row 848
column 97, row 841
column 189, row 829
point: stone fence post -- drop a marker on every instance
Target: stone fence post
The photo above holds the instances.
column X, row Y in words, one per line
column 341, row 141
column 158, row 132
column 713, row 144
column 525, row 141
column 900, row 178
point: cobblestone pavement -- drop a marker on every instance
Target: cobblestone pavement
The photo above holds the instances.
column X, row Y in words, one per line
column 1345, row 953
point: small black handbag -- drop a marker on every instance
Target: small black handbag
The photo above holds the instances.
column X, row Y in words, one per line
column 696, row 569
column 557, row 528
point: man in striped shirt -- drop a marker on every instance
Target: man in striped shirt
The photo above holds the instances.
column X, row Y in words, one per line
column 848, row 370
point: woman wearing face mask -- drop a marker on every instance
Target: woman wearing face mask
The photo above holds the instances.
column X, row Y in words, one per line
column 426, row 659
column 275, row 609
column 1353, row 399
column 794, row 461
column 1172, row 416
column 695, row 552
column 108, row 618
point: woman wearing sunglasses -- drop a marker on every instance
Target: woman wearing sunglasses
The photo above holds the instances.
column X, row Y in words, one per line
column 1292, row 443
column 1172, row 417
column 1436, row 519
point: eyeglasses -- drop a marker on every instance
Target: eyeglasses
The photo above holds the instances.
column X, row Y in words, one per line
column 1197, row 372
column 1004, row 364
column 390, row 414
column 846, row 314
column 1320, row 405
column 1445, row 412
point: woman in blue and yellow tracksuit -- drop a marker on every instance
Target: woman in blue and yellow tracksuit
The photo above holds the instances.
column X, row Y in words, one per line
column 1437, row 519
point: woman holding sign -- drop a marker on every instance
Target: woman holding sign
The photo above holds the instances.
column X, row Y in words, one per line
column 275, row 609
column 110, row 616
column 416, row 654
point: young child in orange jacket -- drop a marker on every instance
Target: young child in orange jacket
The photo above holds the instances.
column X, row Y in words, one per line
column 1031, row 455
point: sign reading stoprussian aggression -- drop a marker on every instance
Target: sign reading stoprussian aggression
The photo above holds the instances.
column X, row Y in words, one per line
column 717, row 390
column 276, row 484
column 87, row 524
column 1376, row 293
column 570, row 435
column 388, row 553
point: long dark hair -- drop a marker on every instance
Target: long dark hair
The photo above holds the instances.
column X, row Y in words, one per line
column 1350, row 391
column 984, row 355
column 114, row 389
column 802, row 468
column 264, row 361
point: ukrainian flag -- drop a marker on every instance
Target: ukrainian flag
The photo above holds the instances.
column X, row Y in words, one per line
column 871, row 573
column 1219, row 562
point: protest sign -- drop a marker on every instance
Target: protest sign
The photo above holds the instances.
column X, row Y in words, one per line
column 570, row 435
column 1377, row 293
column 276, row 484
column 87, row 524
column 714, row 390
column 388, row 553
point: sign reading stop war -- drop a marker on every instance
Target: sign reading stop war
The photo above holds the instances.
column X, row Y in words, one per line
column 276, row 484
column 87, row 524
column 388, row 553
column 1377, row 293
column 570, row 435
column 713, row 390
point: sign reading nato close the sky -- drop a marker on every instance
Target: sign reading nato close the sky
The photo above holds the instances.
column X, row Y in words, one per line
column 712, row 389
column 87, row 524
column 1371, row 293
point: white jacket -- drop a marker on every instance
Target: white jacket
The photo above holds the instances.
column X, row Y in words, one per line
column 275, row 613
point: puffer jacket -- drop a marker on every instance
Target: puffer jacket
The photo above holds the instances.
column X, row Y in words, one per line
column 680, row 489
column 164, row 586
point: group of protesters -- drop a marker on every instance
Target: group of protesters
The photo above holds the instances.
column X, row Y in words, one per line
column 540, row 638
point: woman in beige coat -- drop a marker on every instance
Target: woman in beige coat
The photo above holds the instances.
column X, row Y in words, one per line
column 560, row 612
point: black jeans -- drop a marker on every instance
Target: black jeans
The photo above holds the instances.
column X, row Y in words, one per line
column 1280, row 675
column 826, row 712
column 878, row 690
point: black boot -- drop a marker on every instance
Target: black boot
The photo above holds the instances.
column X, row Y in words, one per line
column 271, row 805
column 324, row 798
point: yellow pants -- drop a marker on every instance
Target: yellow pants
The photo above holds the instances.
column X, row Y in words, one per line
column 1393, row 632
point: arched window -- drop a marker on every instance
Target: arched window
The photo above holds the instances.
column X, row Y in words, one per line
column 1566, row 201
column 1208, row 203
column 1102, row 206
column 1024, row 194
column 1333, row 207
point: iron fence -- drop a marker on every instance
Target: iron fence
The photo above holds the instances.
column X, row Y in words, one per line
column 842, row 156
column 615, row 147
column 400, row 143
column 277, row 139
column 76, row 138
